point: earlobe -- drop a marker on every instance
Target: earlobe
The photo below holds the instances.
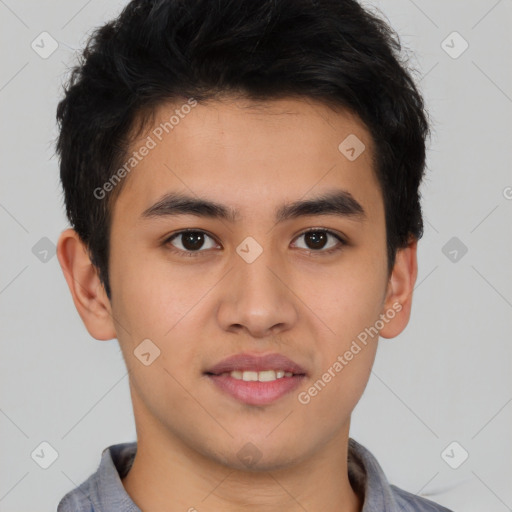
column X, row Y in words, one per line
column 398, row 302
column 87, row 291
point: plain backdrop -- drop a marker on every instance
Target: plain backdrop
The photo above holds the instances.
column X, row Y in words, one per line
column 446, row 379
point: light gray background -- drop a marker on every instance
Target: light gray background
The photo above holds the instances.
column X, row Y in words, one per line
column 446, row 378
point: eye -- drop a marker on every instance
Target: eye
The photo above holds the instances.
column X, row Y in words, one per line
column 317, row 239
column 189, row 242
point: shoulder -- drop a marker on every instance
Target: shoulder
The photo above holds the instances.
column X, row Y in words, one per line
column 103, row 491
column 77, row 500
column 368, row 478
column 409, row 502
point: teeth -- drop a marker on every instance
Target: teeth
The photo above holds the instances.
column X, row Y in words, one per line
column 249, row 376
column 263, row 376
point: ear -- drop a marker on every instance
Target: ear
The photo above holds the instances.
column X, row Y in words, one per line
column 88, row 293
column 399, row 291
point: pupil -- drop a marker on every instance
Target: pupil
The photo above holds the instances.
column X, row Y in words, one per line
column 317, row 237
column 195, row 238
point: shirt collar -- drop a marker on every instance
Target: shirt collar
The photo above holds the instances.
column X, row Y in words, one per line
column 368, row 479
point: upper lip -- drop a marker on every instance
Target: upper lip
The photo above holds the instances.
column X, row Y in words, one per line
column 250, row 362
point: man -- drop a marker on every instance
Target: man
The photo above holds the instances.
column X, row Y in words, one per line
column 242, row 180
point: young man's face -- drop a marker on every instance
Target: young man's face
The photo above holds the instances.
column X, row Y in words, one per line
column 255, row 284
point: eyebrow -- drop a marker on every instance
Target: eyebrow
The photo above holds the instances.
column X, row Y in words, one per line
column 336, row 202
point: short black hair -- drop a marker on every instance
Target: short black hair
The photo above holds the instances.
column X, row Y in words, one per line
column 155, row 51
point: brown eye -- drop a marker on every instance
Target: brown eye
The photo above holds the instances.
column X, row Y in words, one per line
column 191, row 241
column 317, row 240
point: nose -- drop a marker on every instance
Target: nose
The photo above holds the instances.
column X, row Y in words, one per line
column 258, row 298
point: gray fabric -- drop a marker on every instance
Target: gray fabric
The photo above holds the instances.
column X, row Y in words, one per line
column 103, row 491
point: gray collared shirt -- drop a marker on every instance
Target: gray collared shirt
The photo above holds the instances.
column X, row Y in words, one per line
column 103, row 491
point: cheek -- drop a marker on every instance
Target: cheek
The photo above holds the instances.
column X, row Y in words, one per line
column 158, row 301
column 152, row 303
column 347, row 356
column 153, row 295
column 334, row 394
column 347, row 298
column 349, row 304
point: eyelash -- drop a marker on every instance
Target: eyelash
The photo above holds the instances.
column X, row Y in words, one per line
column 168, row 240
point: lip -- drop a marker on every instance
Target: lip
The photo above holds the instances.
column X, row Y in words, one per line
column 255, row 392
column 256, row 363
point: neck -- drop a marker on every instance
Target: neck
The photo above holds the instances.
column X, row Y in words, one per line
column 169, row 473
column 169, row 479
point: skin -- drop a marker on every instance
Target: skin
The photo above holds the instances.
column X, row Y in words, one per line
column 198, row 310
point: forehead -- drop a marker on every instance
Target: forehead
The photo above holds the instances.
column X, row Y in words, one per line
column 250, row 155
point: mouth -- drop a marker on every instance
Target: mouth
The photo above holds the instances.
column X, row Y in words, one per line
column 256, row 376
column 256, row 380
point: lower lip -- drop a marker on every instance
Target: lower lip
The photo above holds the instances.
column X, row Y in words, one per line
column 256, row 392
